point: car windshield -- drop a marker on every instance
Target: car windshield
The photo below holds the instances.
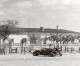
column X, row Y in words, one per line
column 43, row 49
column 46, row 49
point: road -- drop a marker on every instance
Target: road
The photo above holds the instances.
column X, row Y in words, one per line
column 67, row 59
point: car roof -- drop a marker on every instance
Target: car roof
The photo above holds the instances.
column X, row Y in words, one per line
column 47, row 48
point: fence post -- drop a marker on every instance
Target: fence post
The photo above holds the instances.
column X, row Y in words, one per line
column 79, row 49
column 71, row 49
column 24, row 50
column 65, row 49
column 16, row 50
column 29, row 49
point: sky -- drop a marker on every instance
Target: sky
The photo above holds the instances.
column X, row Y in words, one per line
column 45, row 13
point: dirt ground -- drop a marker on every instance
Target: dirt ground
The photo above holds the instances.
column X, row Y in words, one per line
column 28, row 59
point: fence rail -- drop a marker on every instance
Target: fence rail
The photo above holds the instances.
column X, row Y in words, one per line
column 32, row 47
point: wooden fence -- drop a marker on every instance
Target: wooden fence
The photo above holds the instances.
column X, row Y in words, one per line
column 71, row 48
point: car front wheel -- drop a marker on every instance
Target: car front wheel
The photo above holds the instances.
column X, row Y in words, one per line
column 35, row 54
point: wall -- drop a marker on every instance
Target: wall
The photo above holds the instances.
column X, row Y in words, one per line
column 17, row 38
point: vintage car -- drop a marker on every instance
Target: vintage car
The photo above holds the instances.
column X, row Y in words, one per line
column 48, row 51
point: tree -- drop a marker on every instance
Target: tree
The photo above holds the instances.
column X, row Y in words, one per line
column 6, row 28
column 33, row 37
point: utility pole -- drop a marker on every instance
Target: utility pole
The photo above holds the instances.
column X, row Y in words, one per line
column 57, row 30
column 57, row 35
